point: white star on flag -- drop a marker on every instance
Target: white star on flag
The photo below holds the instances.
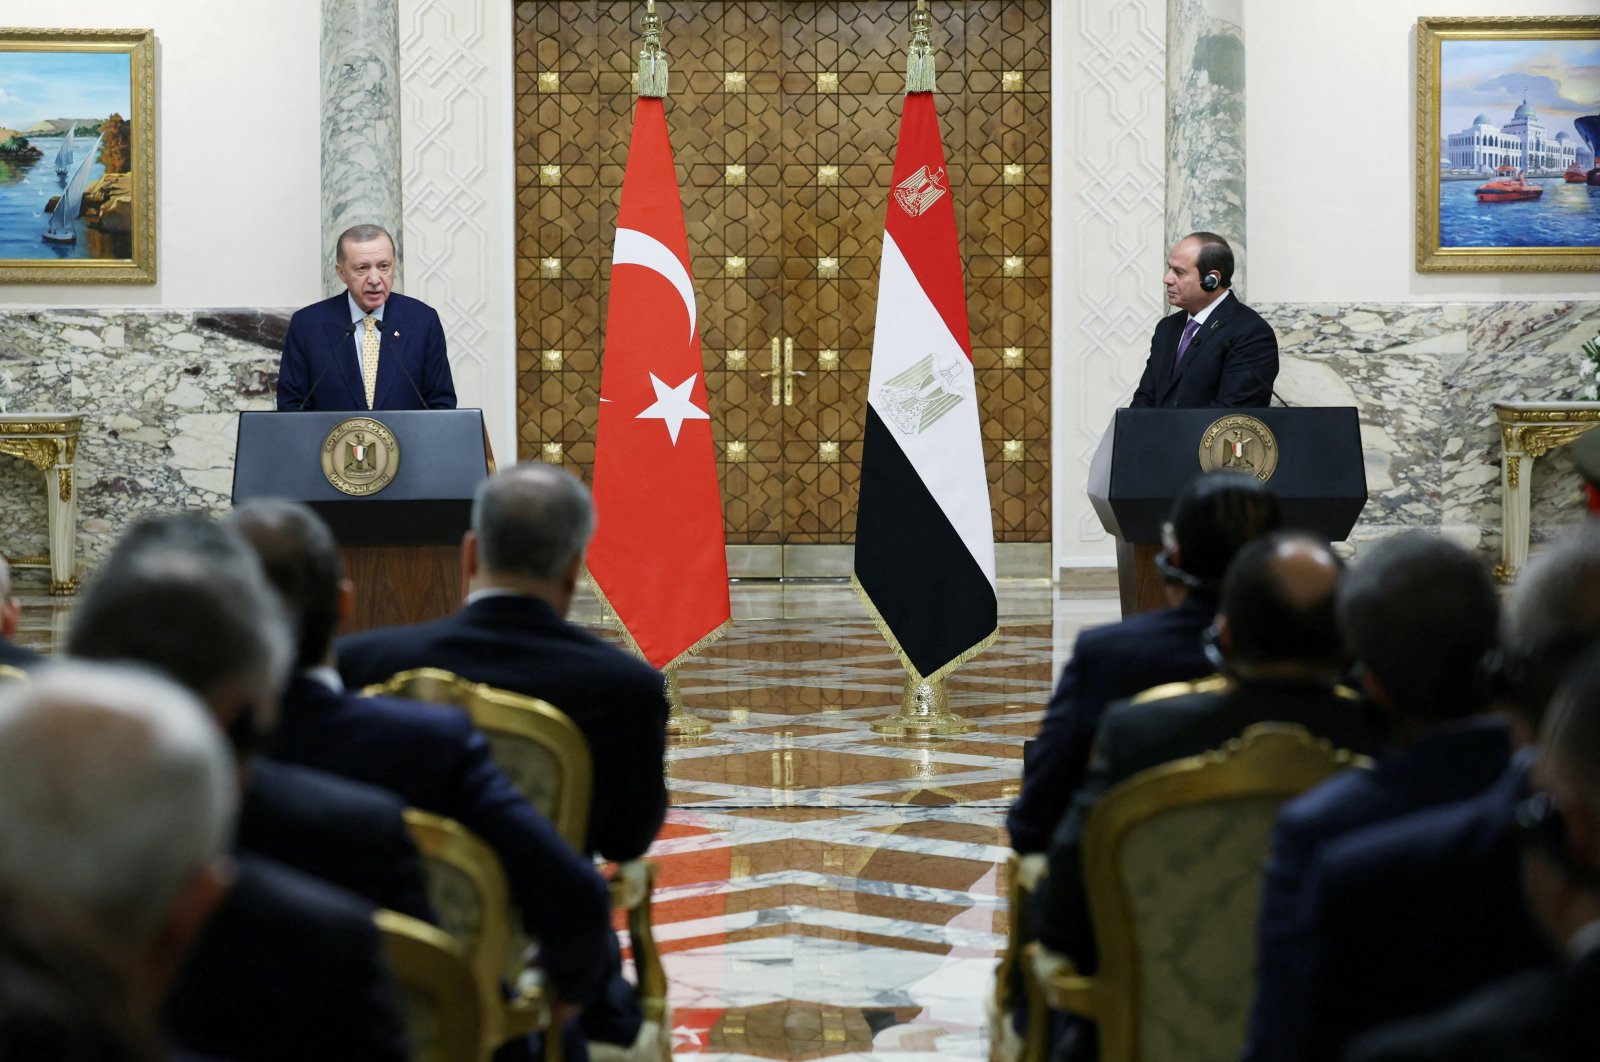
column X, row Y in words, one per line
column 672, row 405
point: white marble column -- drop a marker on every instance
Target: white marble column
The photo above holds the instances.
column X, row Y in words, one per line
column 360, row 122
column 1205, row 121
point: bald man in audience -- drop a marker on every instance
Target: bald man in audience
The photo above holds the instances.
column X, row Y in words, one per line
column 1277, row 642
column 117, row 801
column 1211, row 518
column 1419, row 614
column 1407, row 916
column 1549, row 1014
column 291, row 966
column 431, row 756
column 12, row 654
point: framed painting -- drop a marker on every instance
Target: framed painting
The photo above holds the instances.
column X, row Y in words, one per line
column 77, row 156
column 1508, row 127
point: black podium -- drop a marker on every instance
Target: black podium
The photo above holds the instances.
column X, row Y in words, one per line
column 401, row 542
column 1310, row 457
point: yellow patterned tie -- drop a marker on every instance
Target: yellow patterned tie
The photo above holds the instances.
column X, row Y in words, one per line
column 369, row 358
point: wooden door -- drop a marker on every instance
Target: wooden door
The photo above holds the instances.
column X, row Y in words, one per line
column 783, row 119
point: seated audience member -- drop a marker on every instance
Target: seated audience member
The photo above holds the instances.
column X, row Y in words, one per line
column 290, row 966
column 1211, row 519
column 530, row 526
column 1410, row 915
column 1549, row 1014
column 117, row 798
column 1418, row 614
column 12, row 654
column 1278, row 644
column 432, row 757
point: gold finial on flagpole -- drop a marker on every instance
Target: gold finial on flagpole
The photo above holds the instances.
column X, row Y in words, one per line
column 652, row 57
column 919, row 59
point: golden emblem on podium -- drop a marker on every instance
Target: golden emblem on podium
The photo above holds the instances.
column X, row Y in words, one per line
column 360, row 456
column 1239, row 442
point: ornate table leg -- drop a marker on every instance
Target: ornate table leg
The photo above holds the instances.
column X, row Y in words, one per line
column 62, row 494
column 1516, row 493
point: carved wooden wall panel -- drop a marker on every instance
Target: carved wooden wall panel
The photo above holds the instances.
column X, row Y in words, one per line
column 783, row 119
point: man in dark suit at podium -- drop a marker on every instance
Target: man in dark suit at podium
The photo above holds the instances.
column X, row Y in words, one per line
column 1218, row 351
column 365, row 348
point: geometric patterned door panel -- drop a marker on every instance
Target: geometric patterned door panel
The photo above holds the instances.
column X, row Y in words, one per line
column 783, row 119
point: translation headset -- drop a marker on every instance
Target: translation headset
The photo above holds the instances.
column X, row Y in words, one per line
column 1211, row 281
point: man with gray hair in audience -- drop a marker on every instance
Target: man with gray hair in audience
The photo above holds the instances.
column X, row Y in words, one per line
column 117, row 799
column 12, row 654
column 522, row 557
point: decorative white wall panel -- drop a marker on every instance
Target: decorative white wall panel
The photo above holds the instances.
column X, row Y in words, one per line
column 1109, row 103
column 455, row 122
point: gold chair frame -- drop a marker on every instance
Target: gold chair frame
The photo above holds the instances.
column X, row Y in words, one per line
column 497, row 711
column 1268, row 760
column 490, row 953
column 12, row 674
column 433, row 964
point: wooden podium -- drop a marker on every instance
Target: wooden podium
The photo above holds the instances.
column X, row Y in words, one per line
column 400, row 543
column 1310, row 457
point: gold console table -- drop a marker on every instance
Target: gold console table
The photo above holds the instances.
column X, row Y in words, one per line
column 49, row 442
column 1529, row 430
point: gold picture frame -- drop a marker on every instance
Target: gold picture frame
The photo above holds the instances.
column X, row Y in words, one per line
column 110, row 237
column 1477, row 207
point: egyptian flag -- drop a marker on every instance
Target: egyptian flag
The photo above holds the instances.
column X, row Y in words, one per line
column 657, row 557
column 924, row 537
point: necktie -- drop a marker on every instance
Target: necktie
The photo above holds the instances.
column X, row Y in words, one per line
column 369, row 358
column 1183, row 344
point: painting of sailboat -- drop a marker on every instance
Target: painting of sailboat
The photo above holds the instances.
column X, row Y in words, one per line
column 64, row 156
column 60, row 228
column 77, row 156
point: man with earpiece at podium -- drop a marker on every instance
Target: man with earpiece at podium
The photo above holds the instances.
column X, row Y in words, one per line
column 1218, row 351
column 365, row 348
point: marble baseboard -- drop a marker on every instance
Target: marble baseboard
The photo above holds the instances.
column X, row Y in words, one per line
column 1424, row 376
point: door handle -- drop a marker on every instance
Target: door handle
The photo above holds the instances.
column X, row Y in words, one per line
column 789, row 371
column 775, row 372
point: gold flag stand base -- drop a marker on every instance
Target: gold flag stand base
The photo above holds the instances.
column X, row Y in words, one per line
column 924, row 712
column 680, row 724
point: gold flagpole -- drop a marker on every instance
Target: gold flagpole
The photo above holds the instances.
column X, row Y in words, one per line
column 925, row 704
column 653, row 85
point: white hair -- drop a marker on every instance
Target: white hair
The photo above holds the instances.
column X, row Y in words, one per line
column 115, row 787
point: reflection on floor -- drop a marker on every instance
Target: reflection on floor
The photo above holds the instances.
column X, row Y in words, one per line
column 826, row 892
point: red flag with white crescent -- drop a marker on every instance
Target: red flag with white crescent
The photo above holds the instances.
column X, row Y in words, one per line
column 658, row 555
column 924, row 533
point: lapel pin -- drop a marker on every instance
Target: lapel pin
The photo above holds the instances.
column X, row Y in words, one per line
column 397, row 333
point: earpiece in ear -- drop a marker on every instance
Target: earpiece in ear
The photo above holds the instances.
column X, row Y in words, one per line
column 1211, row 281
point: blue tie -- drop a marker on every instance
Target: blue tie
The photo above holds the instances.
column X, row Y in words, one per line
column 1183, row 344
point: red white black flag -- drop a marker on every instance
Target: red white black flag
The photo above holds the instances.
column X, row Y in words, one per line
column 924, row 535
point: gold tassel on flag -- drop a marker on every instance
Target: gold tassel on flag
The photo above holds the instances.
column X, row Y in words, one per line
column 919, row 59
column 652, row 57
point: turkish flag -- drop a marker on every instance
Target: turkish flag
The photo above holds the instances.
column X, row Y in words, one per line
column 658, row 556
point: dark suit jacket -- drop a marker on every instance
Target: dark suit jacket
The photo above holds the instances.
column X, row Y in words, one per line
column 317, row 341
column 288, row 967
column 437, row 761
column 351, row 835
column 1449, row 763
column 1407, row 916
column 1107, row 664
column 519, row 644
column 1231, row 362
column 1136, row 737
column 14, row 655
column 1536, row 1016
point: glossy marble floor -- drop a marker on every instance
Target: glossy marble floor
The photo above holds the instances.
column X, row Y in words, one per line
column 826, row 892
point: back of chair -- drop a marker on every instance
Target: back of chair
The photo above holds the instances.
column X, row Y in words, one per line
column 10, row 674
column 439, row 994
column 1173, row 861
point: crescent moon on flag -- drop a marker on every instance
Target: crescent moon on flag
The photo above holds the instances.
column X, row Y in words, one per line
column 641, row 249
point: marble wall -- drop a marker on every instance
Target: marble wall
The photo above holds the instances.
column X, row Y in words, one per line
column 160, row 391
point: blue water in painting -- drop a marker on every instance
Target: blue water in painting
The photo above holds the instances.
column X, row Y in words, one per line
column 1566, row 215
column 25, row 188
